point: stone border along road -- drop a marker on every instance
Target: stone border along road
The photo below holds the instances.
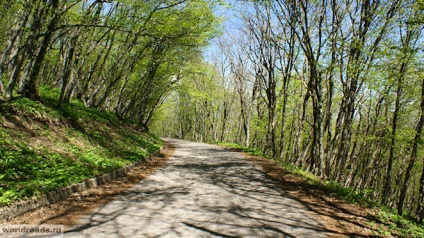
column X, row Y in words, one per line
column 20, row 207
column 203, row 191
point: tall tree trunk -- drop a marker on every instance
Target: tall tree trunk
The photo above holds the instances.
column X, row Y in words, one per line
column 420, row 209
column 413, row 157
column 411, row 38
column 327, row 114
column 388, row 176
column 11, row 49
column 224, row 122
column 1, row 81
column 30, row 88
column 18, row 63
column 316, row 150
column 283, row 120
column 67, row 68
column 70, row 88
column 298, row 154
column 244, row 111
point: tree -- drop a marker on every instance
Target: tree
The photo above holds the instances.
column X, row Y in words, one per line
column 330, row 86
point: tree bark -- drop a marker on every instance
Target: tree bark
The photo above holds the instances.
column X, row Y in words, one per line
column 413, row 156
column 30, row 88
column 67, row 68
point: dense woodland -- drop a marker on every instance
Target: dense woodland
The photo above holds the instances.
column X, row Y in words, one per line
column 121, row 56
column 333, row 86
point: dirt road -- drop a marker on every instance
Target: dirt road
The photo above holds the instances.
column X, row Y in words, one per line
column 203, row 191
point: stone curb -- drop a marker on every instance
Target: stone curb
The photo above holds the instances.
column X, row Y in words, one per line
column 20, row 207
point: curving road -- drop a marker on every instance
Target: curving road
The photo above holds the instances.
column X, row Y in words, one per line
column 203, row 191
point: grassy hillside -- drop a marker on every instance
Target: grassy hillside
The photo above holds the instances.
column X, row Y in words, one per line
column 43, row 148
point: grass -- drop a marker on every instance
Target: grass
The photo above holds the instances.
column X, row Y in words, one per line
column 390, row 223
column 43, row 148
column 245, row 149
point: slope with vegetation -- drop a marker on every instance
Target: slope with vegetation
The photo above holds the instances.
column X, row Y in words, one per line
column 43, row 148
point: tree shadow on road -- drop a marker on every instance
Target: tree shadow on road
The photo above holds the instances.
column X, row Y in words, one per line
column 221, row 197
column 342, row 218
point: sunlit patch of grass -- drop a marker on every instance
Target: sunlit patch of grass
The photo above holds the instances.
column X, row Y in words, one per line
column 397, row 225
column 245, row 149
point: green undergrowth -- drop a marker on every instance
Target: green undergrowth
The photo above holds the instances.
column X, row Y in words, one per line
column 43, row 148
column 389, row 222
column 392, row 224
column 244, row 149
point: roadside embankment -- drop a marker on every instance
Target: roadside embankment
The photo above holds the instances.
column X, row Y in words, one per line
column 47, row 153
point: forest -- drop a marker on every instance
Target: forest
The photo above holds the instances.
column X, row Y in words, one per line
column 120, row 56
column 335, row 87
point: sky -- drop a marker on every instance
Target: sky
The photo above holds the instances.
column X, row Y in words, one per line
column 230, row 26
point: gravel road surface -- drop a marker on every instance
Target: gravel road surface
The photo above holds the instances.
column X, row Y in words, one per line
column 203, row 191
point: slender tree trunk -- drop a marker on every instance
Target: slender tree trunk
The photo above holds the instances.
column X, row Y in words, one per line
column 18, row 63
column 67, row 69
column 245, row 117
column 420, row 209
column 413, row 157
column 224, row 123
column 30, row 89
column 1, row 81
column 283, row 121
column 70, row 88
column 11, row 49
column 315, row 153
column 388, row 177
column 270, row 137
column 298, row 153
column 327, row 114
column 98, row 64
column 119, row 105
